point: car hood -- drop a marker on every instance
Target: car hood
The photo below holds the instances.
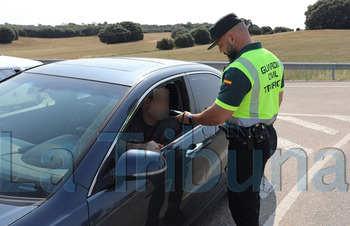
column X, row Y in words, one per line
column 11, row 213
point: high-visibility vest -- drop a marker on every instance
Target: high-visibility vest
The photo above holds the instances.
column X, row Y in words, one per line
column 261, row 103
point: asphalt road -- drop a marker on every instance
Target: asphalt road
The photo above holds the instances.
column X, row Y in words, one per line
column 313, row 116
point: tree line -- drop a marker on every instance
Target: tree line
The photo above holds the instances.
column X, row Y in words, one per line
column 324, row 14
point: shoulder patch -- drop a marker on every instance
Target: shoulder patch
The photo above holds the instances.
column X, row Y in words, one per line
column 228, row 82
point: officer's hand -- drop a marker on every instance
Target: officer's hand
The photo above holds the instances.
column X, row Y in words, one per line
column 153, row 146
column 183, row 118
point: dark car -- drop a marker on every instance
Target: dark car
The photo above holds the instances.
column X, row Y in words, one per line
column 63, row 159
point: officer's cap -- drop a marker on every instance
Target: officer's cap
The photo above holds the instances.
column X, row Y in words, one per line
column 222, row 26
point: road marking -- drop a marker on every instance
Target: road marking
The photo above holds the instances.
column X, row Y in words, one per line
column 289, row 145
column 276, row 217
column 299, row 86
column 338, row 117
column 309, row 125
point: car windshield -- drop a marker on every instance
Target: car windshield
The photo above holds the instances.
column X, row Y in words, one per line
column 46, row 123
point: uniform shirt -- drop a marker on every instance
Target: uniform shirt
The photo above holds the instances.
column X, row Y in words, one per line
column 235, row 84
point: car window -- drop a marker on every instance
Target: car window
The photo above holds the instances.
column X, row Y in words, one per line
column 46, row 123
column 4, row 73
column 205, row 88
column 178, row 102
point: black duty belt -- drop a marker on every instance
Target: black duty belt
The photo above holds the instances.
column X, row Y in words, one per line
column 247, row 135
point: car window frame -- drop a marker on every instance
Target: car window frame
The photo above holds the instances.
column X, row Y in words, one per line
column 193, row 99
column 130, row 116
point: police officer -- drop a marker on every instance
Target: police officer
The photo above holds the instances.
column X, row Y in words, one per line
column 247, row 105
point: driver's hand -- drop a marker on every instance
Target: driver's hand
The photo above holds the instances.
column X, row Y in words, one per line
column 153, row 146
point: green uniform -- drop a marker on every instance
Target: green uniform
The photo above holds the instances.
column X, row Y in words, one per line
column 250, row 86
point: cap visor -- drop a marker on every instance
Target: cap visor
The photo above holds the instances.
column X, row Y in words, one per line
column 213, row 44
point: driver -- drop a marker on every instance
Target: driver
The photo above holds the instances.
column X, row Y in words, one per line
column 152, row 128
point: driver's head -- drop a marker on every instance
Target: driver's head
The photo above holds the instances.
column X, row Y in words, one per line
column 156, row 106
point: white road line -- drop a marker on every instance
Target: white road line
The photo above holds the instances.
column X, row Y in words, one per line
column 299, row 86
column 309, row 125
column 293, row 195
column 339, row 117
column 345, row 118
column 288, row 145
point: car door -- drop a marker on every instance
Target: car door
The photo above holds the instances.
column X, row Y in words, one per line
column 205, row 87
column 197, row 159
column 117, row 199
column 177, row 195
column 136, row 201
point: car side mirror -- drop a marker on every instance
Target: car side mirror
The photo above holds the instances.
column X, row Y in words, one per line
column 135, row 163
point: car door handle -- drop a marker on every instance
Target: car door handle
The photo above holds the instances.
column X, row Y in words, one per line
column 191, row 153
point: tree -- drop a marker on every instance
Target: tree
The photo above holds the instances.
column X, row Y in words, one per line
column 201, row 35
column 114, row 33
column 266, row 30
column 135, row 29
column 328, row 14
column 178, row 31
column 184, row 41
column 165, row 44
column 254, row 30
column 7, row 34
column 282, row 29
column 16, row 32
column 248, row 23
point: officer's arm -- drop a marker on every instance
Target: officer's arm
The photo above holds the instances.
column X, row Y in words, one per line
column 214, row 115
column 281, row 97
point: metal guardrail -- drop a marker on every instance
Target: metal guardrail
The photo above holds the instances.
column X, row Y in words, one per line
column 287, row 65
column 294, row 66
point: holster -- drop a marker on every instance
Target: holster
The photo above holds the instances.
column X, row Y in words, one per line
column 247, row 135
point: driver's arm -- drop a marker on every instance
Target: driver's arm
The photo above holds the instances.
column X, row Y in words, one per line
column 151, row 145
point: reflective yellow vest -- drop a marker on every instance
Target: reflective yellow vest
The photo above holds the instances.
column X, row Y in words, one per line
column 261, row 104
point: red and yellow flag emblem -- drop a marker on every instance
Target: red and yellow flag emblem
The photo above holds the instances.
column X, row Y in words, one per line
column 228, row 82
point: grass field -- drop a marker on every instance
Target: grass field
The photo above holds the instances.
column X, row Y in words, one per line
column 303, row 46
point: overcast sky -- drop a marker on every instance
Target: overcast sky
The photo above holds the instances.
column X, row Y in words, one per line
column 287, row 13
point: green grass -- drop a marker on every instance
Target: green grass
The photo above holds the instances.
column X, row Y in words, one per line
column 302, row 46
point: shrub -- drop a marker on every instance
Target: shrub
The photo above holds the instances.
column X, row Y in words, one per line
column 201, row 36
column 114, row 33
column 267, row 30
column 135, row 29
column 184, row 40
column 178, row 31
column 7, row 34
column 254, row 30
column 16, row 32
column 282, row 29
column 165, row 44
column 22, row 33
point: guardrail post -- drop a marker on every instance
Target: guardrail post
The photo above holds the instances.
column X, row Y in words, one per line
column 333, row 74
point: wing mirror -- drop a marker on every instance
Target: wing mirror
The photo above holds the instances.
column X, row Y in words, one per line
column 135, row 163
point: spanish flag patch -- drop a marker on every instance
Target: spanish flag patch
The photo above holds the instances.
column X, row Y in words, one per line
column 228, row 82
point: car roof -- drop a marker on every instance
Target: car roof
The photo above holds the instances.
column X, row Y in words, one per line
column 17, row 63
column 5, row 65
column 120, row 70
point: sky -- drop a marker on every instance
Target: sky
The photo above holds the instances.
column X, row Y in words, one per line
column 273, row 13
